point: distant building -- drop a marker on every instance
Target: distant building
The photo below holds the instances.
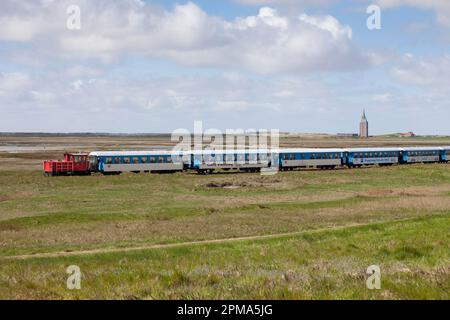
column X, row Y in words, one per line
column 407, row 134
column 364, row 126
column 347, row 135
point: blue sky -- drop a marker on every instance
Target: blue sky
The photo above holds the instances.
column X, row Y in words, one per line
column 293, row 65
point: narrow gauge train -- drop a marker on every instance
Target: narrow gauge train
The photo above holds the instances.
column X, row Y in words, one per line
column 115, row 162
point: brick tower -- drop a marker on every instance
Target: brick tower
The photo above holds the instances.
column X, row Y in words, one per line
column 364, row 126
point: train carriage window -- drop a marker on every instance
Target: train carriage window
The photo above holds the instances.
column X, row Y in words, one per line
column 152, row 160
column 169, row 159
column 126, row 160
column 108, row 160
column 144, row 159
column 161, row 159
column 136, row 159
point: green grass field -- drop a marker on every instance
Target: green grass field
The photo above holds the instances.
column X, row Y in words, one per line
column 327, row 227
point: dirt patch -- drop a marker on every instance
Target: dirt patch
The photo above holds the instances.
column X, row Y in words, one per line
column 407, row 192
column 262, row 182
column 9, row 227
column 20, row 194
column 224, row 185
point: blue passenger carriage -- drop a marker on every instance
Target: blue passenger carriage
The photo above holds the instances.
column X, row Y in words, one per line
column 445, row 154
column 308, row 158
column 244, row 160
column 135, row 161
column 356, row 157
column 421, row 154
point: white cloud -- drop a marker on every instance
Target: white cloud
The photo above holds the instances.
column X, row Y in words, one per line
column 382, row 97
column 77, row 71
column 10, row 82
column 291, row 3
column 433, row 71
column 77, row 84
column 441, row 7
column 264, row 43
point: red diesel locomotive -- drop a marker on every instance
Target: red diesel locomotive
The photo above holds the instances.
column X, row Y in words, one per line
column 73, row 164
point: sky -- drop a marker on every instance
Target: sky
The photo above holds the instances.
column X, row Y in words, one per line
column 135, row 66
